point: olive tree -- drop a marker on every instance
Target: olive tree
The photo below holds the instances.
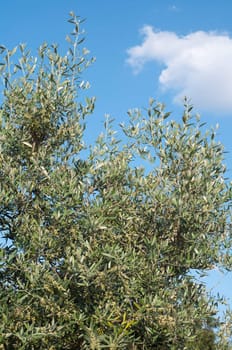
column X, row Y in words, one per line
column 98, row 251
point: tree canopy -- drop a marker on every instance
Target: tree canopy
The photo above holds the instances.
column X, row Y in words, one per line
column 98, row 251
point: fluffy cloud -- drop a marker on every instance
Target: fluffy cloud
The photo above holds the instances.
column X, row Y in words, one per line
column 198, row 65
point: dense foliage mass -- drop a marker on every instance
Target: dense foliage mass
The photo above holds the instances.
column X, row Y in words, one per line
column 100, row 252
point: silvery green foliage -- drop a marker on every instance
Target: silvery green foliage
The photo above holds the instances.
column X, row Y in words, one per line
column 100, row 252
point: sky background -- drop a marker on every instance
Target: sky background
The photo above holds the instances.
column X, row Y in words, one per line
column 143, row 48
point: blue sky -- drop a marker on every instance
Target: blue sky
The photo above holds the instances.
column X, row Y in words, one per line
column 143, row 48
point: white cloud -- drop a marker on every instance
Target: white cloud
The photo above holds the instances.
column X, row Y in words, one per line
column 198, row 65
column 173, row 8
